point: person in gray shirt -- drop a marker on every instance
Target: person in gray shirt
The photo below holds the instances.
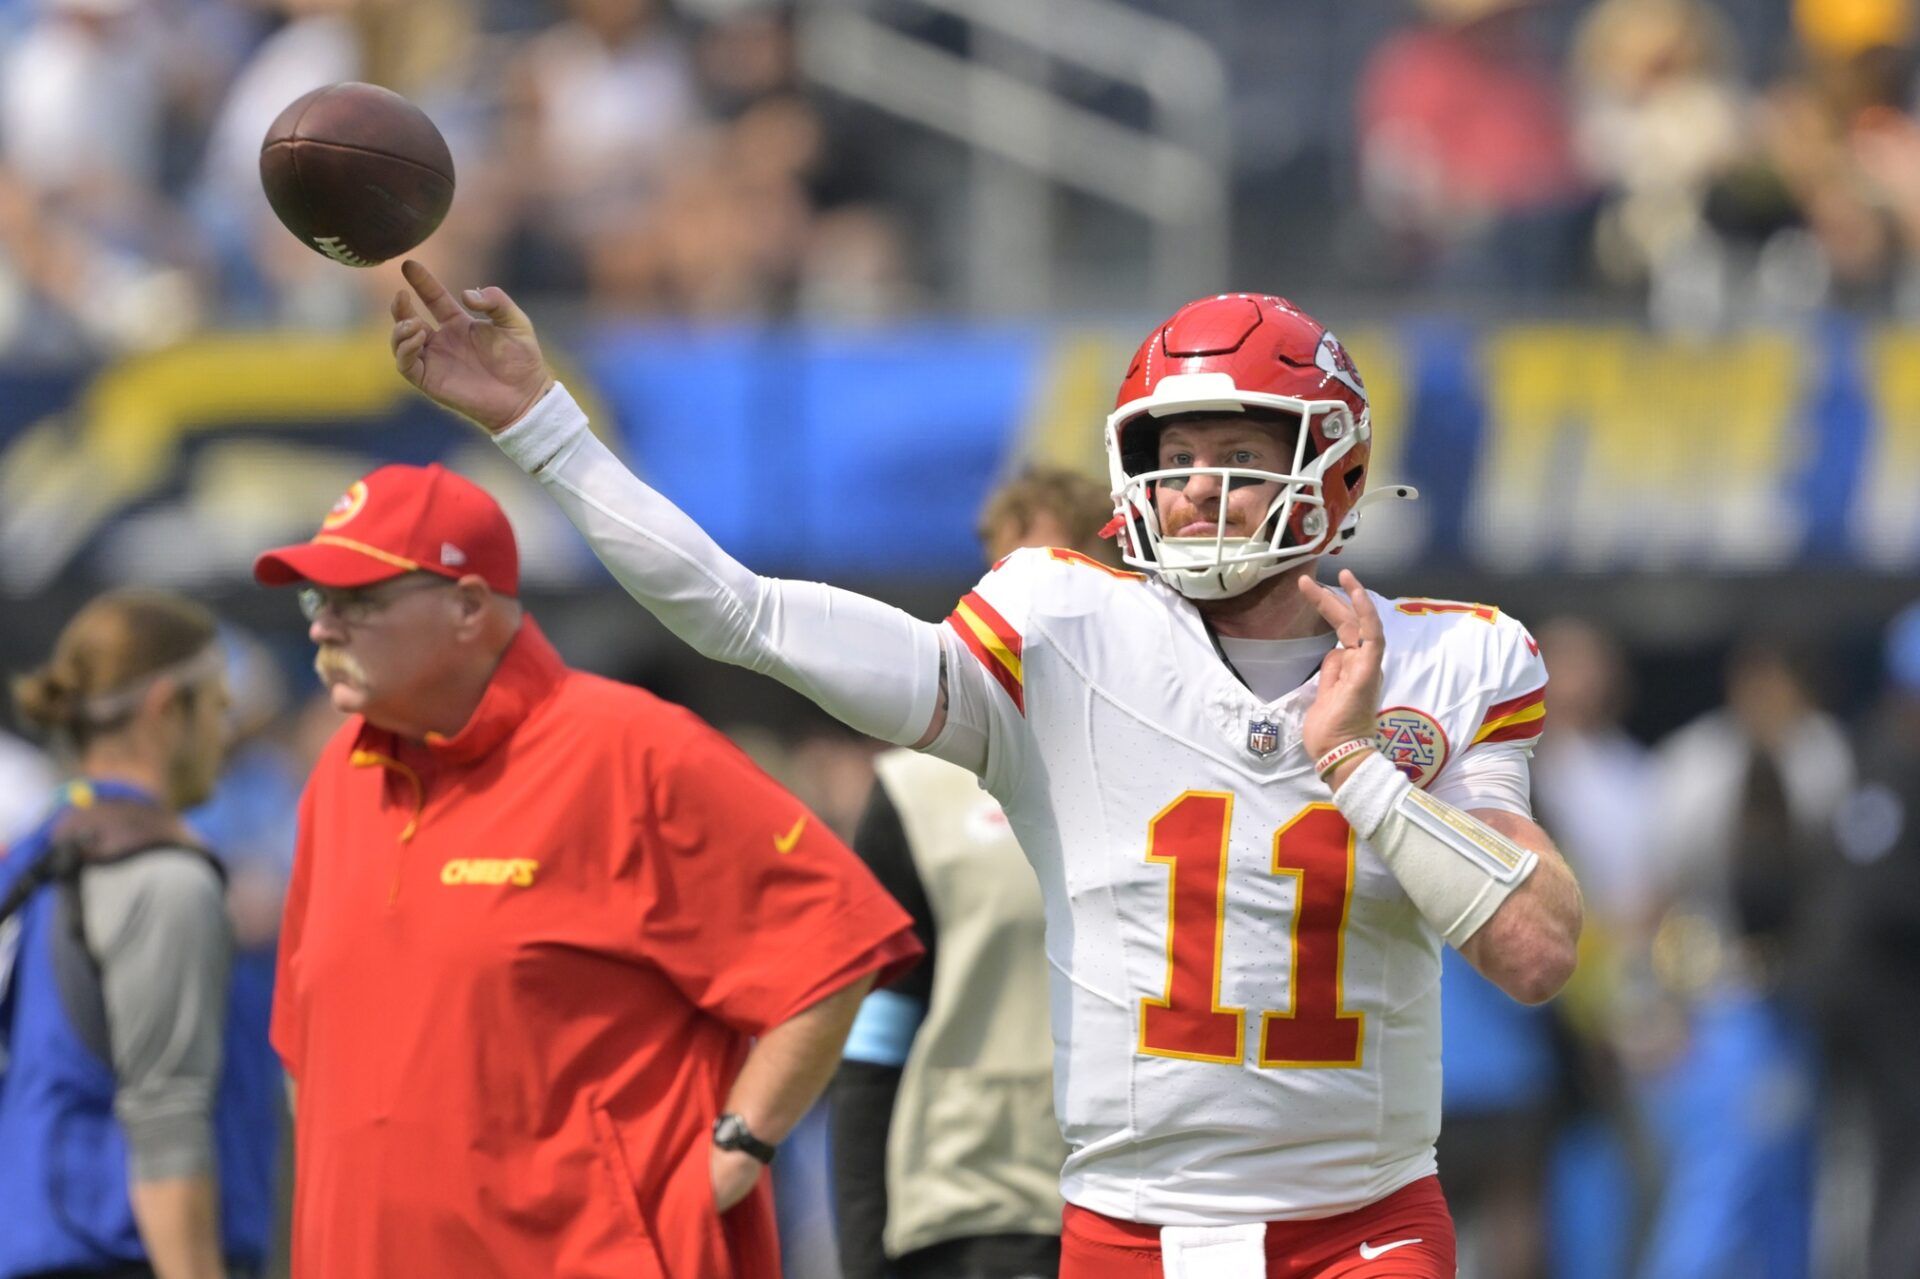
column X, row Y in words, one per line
column 115, row 962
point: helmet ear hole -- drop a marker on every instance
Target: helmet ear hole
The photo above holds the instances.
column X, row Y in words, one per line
column 1354, row 478
column 1140, row 446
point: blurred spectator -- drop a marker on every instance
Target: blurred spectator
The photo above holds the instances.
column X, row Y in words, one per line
column 81, row 98
column 1835, row 30
column 1840, row 137
column 138, row 1095
column 746, row 56
column 602, row 108
column 830, row 771
column 1510, row 1071
column 1745, row 798
column 1591, row 785
column 1662, row 116
column 26, row 779
column 1591, row 779
column 1874, row 967
column 92, row 247
column 1744, row 793
column 614, row 98
column 662, row 175
column 250, row 815
column 1500, row 1072
column 1466, row 149
column 736, row 229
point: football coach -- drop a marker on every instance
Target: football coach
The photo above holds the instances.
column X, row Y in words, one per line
column 560, row 967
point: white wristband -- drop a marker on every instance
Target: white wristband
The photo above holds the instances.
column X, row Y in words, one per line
column 544, row 431
column 1455, row 868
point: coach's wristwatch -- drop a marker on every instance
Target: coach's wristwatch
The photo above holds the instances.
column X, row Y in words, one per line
column 730, row 1132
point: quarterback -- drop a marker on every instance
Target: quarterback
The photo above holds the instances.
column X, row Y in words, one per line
column 1257, row 805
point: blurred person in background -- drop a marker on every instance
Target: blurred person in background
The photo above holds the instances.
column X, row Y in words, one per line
column 1742, row 814
column 1592, row 779
column 90, row 248
column 1840, row 139
column 1466, row 149
column 705, row 185
column 138, row 1101
column 1872, row 970
column 1593, row 785
column 250, row 815
column 559, row 968
column 1514, row 1077
column 1661, row 117
column 27, row 778
column 1500, row 1074
column 947, row 1154
column 603, row 109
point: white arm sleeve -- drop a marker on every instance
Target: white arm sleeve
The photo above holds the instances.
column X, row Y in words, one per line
column 866, row 663
column 968, row 734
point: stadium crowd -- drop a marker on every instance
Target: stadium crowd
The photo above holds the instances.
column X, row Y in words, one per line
column 1711, row 158
column 639, row 158
column 1723, row 1090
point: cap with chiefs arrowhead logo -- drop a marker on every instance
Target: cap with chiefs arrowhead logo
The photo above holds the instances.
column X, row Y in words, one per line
column 403, row 519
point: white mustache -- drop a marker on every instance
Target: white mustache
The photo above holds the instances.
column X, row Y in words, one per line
column 332, row 666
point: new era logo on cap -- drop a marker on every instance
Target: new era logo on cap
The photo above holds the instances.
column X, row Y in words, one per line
column 403, row 519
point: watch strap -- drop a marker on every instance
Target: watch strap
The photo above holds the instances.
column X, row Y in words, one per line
column 730, row 1132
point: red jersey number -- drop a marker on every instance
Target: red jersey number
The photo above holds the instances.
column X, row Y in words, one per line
column 1312, row 1029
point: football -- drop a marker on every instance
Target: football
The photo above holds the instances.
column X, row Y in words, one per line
column 357, row 172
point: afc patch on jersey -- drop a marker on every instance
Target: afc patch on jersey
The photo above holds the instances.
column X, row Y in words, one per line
column 1414, row 742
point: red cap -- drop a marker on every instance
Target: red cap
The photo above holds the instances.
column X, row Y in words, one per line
column 403, row 519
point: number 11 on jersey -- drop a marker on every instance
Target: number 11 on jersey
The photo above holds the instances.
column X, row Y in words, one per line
column 1189, row 836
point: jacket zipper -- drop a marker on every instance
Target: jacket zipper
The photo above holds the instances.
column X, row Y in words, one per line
column 368, row 759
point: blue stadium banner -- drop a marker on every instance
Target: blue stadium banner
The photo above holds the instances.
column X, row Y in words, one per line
column 858, row 454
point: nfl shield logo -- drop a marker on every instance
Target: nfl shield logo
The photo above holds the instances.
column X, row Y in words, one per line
column 1263, row 737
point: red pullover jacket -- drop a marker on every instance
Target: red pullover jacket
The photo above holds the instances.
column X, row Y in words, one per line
column 520, row 969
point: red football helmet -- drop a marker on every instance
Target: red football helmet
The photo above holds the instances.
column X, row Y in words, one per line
column 1236, row 353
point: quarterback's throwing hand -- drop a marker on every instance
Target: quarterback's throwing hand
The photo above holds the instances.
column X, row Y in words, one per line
column 476, row 354
column 1348, row 701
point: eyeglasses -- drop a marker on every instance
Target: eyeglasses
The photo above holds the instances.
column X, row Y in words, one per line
column 361, row 604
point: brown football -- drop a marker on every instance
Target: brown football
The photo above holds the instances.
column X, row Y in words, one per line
column 357, row 172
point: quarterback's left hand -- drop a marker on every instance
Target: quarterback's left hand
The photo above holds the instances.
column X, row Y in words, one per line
column 734, row 1173
column 1348, row 702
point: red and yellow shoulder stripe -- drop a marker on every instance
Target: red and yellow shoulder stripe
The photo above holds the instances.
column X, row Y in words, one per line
column 989, row 638
column 1515, row 720
column 1066, row 556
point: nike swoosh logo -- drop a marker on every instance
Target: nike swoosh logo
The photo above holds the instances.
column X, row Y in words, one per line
column 1368, row 1252
column 783, row 844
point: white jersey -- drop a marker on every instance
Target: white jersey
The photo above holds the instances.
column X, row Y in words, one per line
column 1245, row 1005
